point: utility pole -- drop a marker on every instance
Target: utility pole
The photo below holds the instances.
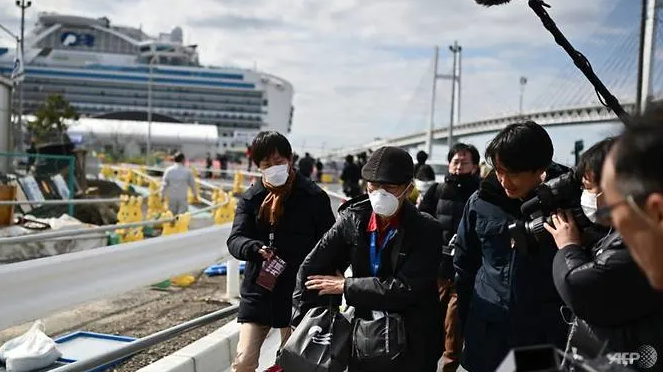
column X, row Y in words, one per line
column 23, row 5
column 645, row 58
column 458, row 95
column 455, row 78
column 523, row 82
column 148, row 149
column 431, row 123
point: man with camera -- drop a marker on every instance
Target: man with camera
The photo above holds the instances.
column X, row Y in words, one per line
column 506, row 295
column 588, row 276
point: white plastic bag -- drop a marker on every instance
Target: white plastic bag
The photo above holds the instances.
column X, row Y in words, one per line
column 29, row 351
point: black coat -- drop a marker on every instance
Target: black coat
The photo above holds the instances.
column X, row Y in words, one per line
column 506, row 294
column 446, row 201
column 608, row 291
column 307, row 216
column 410, row 291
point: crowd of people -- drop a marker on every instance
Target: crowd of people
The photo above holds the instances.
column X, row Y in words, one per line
column 445, row 267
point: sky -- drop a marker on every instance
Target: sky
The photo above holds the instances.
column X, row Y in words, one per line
column 362, row 69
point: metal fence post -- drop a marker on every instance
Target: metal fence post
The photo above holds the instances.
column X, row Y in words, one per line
column 232, row 279
column 72, row 191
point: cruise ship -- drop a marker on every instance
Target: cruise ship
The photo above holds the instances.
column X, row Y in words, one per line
column 113, row 72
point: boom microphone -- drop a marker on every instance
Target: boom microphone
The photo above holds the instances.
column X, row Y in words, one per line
column 606, row 98
column 491, row 2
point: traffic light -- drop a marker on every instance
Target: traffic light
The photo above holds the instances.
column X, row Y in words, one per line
column 577, row 148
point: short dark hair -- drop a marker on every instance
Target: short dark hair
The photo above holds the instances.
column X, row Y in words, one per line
column 422, row 157
column 463, row 147
column 266, row 143
column 521, row 147
column 591, row 161
column 638, row 153
column 179, row 157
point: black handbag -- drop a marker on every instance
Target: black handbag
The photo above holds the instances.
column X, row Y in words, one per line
column 379, row 344
column 320, row 343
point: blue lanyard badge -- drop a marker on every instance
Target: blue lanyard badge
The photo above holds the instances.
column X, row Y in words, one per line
column 376, row 257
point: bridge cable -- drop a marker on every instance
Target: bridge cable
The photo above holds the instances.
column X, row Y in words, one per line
column 569, row 70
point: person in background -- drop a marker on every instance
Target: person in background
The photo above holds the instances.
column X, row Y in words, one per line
column 223, row 164
column 209, row 164
column 506, row 294
column 587, row 274
column 32, row 150
column 632, row 186
column 278, row 220
column 177, row 179
column 318, row 170
column 422, row 183
column 248, row 157
column 446, row 201
column 350, row 177
column 423, row 169
column 398, row 276
column 306, row 165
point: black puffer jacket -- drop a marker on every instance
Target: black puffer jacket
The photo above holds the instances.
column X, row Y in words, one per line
column 410, row 290
column 307, row 216
column 606, row 289
column 446, row 201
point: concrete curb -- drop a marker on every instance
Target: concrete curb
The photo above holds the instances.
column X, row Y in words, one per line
column 214, row 352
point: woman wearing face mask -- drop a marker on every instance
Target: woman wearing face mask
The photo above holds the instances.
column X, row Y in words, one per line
column 602, row 285
column 394, row 251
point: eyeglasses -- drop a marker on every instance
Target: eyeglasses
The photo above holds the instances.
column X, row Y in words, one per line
column 461, row 163
column 605, row 213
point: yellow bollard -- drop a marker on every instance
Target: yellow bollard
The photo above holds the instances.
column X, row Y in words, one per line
column 226, row 212
column 155, row 204
column 126, row 178
column 238, row 183
column 196, row 178
column 107, row 172
column 123, row 216
column 182, row 222
column 168, row 227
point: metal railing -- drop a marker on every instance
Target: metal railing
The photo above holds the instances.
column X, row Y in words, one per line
column 62, row 201
column 148, row 341
column 67, row 233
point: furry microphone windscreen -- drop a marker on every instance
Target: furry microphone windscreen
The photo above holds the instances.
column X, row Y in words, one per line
column 491, row 2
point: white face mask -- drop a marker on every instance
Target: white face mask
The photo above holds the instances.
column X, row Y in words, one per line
column 422, row 186
column 384, row 203
column 276, row 175
column 588, row 204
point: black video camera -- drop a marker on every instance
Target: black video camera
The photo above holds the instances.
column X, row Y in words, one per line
column 563, row 193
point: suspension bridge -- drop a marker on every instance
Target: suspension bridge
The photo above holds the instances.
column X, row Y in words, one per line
column 563, row 99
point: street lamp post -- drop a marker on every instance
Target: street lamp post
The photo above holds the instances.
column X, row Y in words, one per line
column 23, row 5
column 523, row 82
column 148, row 149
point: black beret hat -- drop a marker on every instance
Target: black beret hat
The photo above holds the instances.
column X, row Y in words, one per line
column 389, row 165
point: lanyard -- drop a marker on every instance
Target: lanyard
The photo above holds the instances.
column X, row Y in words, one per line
column 271, row 236
column 376, row 257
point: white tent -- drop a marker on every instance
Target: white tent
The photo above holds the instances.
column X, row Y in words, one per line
column 194, row 139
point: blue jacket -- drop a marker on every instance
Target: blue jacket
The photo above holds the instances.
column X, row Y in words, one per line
column 506, row 294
